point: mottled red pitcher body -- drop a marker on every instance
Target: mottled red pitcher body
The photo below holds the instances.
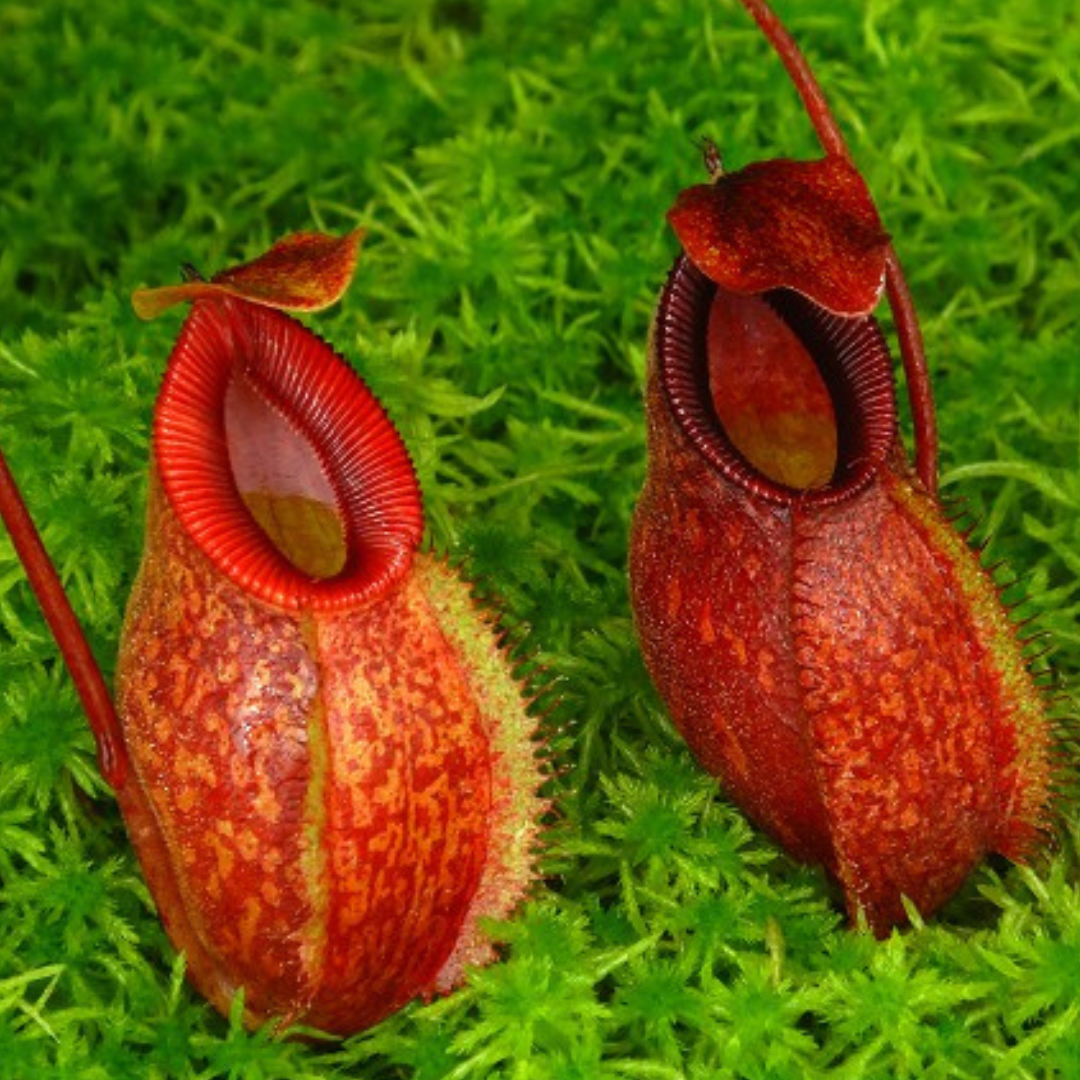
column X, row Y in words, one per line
column 828, row 645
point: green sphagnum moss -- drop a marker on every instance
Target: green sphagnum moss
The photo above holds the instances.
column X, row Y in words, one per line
column 512, row 162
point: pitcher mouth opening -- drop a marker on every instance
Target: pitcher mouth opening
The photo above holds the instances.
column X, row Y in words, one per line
column 280, row 463
column 787, row 400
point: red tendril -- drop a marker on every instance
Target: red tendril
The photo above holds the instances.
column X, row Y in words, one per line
column 899, row 295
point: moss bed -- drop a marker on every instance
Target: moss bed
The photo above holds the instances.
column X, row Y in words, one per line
column 512, row 162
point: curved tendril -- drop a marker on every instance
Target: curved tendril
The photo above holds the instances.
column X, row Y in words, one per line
column 920, row 393
column 905, row 317
column 85, row 673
